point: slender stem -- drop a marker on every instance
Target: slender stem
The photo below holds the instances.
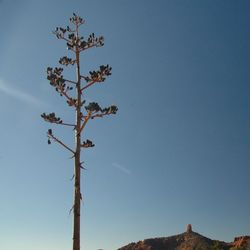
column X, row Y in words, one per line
column 66, row 95
column 88, row 85
column 77, row 193
column 65, row 124
column 65, row 39
column 85, row 121
column 84, row 77
column 61, row 123
column 61, row 37
column 90, row 46
column 70, row 81
column 61, row 143
column 99, row 115
column 91, row 83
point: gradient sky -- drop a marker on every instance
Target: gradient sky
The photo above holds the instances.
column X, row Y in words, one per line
column 177, row 152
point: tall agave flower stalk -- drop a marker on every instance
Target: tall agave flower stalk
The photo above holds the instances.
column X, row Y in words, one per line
column 72, row 91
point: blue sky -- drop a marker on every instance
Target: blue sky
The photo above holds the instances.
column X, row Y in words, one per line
column 177, row 152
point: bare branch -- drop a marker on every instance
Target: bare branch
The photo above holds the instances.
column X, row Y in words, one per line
column 88, row 85
column 66, row 124
column 71, row 209
column 85, row 121
column 101, row 115
column 66, row 80
column 50, row 135
column 69, row 99
column 88, row 47
column 84, row 77
column 53, row 119
column 98, row 116
column 82, row 167
column 65, row 39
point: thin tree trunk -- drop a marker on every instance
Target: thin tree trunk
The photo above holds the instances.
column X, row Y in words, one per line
column 77, row 194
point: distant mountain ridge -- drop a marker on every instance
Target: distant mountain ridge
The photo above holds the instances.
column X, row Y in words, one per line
column 189, row 240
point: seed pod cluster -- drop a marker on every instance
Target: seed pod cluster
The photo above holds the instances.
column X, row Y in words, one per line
column 87, row 144
column 99, row 75
column 66, row 61
column 77, row 20
column 56, row 78
column 94, row 107
column 51, row 117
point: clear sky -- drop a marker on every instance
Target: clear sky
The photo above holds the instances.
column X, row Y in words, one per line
column 177, row 152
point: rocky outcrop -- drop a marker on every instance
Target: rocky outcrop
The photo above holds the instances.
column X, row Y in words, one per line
column 241, row 242
column 189, row 228
column 189, row 241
